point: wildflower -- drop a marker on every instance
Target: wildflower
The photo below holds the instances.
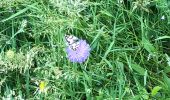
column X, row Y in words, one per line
column 163, row 17
column 24, row 23
column 42, row 87
column 10, row 54
column 80, row 54
column 168, row 59
column 120, row 1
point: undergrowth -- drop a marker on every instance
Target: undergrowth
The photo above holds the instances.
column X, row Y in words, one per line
column 129, row 58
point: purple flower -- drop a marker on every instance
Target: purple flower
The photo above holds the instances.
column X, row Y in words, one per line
column 80, row 54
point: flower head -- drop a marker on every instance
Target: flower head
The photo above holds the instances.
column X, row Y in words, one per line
column 10, row 54
column 163, row 17
column 80, row 54
column 42, row 86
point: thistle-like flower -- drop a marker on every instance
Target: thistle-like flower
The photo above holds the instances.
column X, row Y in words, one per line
column 79, row 53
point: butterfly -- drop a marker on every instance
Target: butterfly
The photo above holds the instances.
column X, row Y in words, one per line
column 72, row 41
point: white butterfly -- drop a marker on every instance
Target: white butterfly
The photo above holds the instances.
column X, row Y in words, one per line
column 72, row 41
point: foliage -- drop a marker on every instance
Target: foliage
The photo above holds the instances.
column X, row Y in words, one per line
column 129, row 40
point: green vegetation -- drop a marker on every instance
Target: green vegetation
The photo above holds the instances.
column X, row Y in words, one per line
column 129, row 40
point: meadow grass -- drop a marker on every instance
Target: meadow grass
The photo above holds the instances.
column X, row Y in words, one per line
column 129, row 58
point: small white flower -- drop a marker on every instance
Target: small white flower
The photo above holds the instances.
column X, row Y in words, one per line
column 24, row 23
column 149, row 56
column 42, row 87
column 168, row 59
column 163, row 17
column 120, row 1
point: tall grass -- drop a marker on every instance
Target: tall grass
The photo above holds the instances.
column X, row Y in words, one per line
column 129, row 40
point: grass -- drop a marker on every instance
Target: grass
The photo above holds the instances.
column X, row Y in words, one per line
column 129, row 58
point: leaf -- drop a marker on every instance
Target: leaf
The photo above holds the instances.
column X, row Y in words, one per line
column 18, row 13
column 167, row 81
column 167, row 68
column 106, row 13
column 148, row 46
column 163, row 37
column 138, row 69
column 94, row 43
column 155, row 90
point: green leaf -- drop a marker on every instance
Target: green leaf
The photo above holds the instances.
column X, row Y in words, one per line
column 18, row 13
column 155, row 90
column 167, row 81
column 167, row 69
column 138, row 69
column 106, row 13
column 148, row 46
column 163, row 37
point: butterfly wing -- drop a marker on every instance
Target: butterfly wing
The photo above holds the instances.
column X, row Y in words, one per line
column 72, row 41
